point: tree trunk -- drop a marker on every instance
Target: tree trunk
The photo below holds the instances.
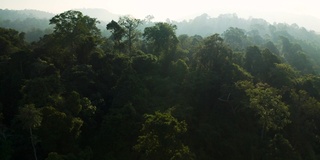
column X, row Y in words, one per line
column 33, row 146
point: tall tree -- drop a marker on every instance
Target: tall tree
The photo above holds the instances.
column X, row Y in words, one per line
column 117, row 34
column 130, row 25
column 213, row 54
column 162, row 37
column 30, row 118
column 304, row 129
column 253, row 61
column 160, row 138
column 76, row 34
column 73, row 23
column 265, row 101
column 124, row 32
column 236, row 38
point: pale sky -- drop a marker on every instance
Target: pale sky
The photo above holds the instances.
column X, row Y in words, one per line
column 271, row 10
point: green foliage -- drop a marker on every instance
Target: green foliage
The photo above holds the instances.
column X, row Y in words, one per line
column 161, row 137
column 86, row 97
column 80, row 78
column 39, row 91
column 273, row 114
column 130, row 25
column 113, row 140
column 214, row 54
column 74, row 23
column 59, row 131
column 162, row 37
column 282, row 75
column 253, row 60
column 73, row 103
column 76, row 35
column 144, row 63
column 305, row 110
column 125, row 33
column 30, row 116
column 270, row 46
column 179, row 70
column 88, row 109
column 236, row 38
column 280, row 148
column 54, row 156
column 10, row 41
column 117, row 34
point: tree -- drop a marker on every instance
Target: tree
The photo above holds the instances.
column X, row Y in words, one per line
column 304, row 130
column 130, row 25
column 282, row 76
column 236, row 38
column 260, row 62
column 269, row 45
column 10, row 41
column 213, row 54
column 76, row 34
column 31, row 118
column 162, row 37
column 184, row 41
column 286, row 45
column 255, row 38
column 6, row 148
column 161, row 137
column 117, row 34
column 71, row 24
column 80, row 78
column 300, row 61
column 253, row 60
column 265, row 101
column 39, row 91
column 60, row 130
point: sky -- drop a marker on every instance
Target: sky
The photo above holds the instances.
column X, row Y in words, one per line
column 302, row 12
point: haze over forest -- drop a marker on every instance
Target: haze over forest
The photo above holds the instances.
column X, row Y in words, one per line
column 228, row 83
column 304, row 13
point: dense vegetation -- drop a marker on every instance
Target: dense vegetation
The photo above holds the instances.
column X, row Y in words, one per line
column 150, row 94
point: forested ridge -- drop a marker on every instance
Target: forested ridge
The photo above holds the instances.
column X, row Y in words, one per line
column 148, row 93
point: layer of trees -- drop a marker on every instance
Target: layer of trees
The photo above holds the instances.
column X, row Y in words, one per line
column 150, row 94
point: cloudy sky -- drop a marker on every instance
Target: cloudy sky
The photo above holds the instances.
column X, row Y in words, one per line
column 290, row 11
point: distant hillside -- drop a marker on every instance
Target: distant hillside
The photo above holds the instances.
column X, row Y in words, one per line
column 100, row 14
column 24, row 14
column 36, row 23
column 205, row 25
